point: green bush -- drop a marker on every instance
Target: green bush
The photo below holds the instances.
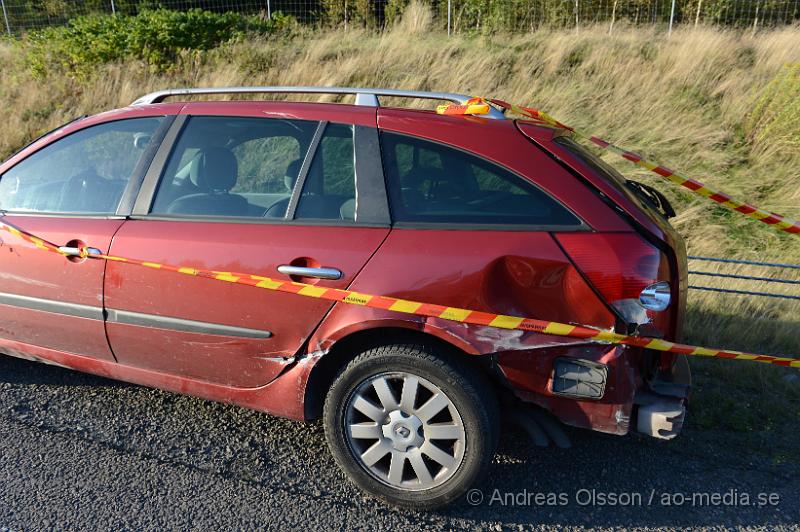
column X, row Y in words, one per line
column 394, row 11
column 153, row 36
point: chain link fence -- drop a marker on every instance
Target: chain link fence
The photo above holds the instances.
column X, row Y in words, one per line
column 452, row 15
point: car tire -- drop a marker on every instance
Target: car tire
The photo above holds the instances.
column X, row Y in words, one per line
column 411, row 424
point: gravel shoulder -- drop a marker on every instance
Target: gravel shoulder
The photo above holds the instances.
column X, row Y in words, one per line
column 82, row 452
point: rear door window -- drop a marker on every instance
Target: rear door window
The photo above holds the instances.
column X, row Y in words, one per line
column 434, row 183
column 329, row 191
column 85, row 172
column 234, row 167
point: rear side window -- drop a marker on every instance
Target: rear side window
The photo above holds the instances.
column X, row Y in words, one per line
column 85, row 172
column 430, row 182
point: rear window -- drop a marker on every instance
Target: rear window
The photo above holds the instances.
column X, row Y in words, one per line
column 595, row 163
column 610, row 174
column 430, row 182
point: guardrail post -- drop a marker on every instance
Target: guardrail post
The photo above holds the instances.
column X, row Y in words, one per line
column 5, row 16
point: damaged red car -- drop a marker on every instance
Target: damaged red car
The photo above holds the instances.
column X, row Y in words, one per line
column 483, row 213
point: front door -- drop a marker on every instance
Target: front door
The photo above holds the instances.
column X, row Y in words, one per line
column 244, row 189
column 68, row 192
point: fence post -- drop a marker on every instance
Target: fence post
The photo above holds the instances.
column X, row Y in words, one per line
column 269, row 11
column 113, row 8
column 577, row 19
column 697, row 16
column 449, row 16
column 613, row 16
column 5, row 16
column 671, row 18
column 755, row 22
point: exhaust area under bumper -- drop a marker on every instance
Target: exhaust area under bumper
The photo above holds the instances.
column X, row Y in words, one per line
column 663, row 418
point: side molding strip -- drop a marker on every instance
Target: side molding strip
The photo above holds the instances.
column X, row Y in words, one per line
column 52, row 306
column 127, row 317
column 177, row 324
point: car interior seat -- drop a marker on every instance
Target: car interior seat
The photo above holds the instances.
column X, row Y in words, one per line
column 214, row 173
column 278, row 209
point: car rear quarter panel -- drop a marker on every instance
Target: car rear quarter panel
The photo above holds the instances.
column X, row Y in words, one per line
column 509, row 272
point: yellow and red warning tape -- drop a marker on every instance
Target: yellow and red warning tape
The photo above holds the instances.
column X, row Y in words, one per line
column 477, row 106
column 472, row 317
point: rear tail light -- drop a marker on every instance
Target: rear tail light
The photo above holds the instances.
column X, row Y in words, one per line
column 631, row 274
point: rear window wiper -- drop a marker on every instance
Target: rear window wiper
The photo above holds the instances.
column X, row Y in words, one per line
column 652, row 196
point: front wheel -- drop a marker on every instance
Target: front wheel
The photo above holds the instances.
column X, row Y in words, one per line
column 410, row 425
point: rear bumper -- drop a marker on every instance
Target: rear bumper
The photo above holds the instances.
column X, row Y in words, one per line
column 645, row 400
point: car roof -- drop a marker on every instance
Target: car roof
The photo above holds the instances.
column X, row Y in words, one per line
column 365, row 97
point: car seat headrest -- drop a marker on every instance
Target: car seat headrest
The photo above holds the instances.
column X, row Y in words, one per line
column 215, row 169
column 291, row 174
column 348, row 210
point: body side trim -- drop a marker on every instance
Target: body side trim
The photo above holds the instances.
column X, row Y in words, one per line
column 126, row 317
column 51, row 306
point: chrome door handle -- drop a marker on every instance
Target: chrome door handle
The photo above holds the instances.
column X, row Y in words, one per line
column 76, row 252
column 301, row 271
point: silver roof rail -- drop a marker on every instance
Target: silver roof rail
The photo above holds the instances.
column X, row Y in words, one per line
column 365, row 97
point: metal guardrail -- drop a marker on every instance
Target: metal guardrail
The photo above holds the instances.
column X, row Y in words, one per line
column 745, row 278
column 748, row 262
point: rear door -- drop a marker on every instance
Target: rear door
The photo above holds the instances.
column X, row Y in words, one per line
column 74, row 191
column 286, row 191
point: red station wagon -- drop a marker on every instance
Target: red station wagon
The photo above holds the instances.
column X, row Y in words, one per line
column 483, row 213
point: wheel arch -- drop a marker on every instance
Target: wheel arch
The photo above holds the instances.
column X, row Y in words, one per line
column 350, row 343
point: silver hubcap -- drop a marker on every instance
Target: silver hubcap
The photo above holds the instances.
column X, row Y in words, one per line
column 404, row 431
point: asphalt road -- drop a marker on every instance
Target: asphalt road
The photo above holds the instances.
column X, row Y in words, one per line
column 81, row 452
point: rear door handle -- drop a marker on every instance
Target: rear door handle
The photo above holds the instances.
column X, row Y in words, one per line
column 319, row 273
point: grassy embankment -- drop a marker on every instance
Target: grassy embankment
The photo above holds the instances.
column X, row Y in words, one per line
column 722, row 106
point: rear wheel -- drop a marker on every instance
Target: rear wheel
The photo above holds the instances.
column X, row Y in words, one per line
column 410, row 425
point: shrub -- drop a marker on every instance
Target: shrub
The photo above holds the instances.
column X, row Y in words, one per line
column 153, row 36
